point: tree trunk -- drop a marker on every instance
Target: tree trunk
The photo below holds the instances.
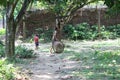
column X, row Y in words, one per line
column 99, row 31
column 57, row 44
column 12, row 23
column 58, row 29
column 10, row 38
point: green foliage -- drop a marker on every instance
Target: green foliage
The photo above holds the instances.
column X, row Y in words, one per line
column 2, row 31
column 2, row 2
column 46, row 35
column 84, row 31
column 64, row 9
column 114, row 6
column 17, row 8
column 6, row 70
column 20, row 52
column 78, row 31
column 23, row 52
column 2, row 50
column 115, row 29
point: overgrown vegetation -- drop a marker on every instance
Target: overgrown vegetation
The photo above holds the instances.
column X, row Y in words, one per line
column 87, row 32
column 81, row 31
column 23, row 52
column 6, row 70
column 46, row 35
column 20, row 52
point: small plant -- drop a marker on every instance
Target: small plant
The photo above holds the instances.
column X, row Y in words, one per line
column 6, row 70
column 85, row 31
column 23, row 52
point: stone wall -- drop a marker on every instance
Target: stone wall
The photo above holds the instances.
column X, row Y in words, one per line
column 46, row 20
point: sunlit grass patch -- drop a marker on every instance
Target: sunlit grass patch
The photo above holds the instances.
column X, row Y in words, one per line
column 106, row 66
column 107, row 56
column 96, row 65
column 107, row 43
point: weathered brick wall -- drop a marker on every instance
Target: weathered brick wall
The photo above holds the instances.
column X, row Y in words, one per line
column 38, row 19
column 42, row 19
column 91, row 16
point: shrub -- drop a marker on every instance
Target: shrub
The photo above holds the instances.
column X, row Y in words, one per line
column 85, row 31
column 6, row 70
column 23, row 52
column 20, row 51
column 45, row 34
column 68, row 30
column 115, row 29
column 82, row 31
column 48, row 35
column 79, row 31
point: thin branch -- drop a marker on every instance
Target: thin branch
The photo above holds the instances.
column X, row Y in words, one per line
column 72, row 9
column 22, row 11
column 13, row 7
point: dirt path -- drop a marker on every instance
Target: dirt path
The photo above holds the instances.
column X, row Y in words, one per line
column 49, row 66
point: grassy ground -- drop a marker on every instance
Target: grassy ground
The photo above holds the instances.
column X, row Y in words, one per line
column 100, row 60
column 81, row 60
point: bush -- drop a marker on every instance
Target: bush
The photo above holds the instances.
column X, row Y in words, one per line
column 46, row 35
column 23, row 52
column 85, row 31
column 20, row 51
column 79, row 31
column 6, row 70
column 68, row 30
column 115, row 29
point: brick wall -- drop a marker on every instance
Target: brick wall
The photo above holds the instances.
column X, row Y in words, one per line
column 45, row 20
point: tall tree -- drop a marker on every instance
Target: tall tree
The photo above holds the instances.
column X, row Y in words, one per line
column 64, row 11
column 12, row 20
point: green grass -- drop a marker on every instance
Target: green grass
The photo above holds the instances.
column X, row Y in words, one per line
column 106, row 66
column 97, row 64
